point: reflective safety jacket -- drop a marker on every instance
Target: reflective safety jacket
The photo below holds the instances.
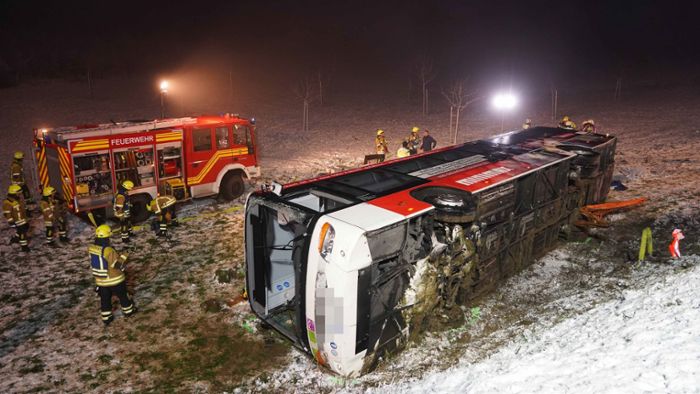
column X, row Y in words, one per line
column 14, row 212
column 17, row 173
column 52, row 209
column 161, row 203
column 122, row 206
column 107, row 265
column 381, row 144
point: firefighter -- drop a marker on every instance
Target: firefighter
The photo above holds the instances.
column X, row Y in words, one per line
column 54, row 215
column 16, row 216
column 17, row 176
column 380, row 143
column 164, row 209
column 122, row 209
column 413, row 140
column 527, row 124
column 673, row 247
column 403, row 150
column 588, row 126
column 567, row 123
column 108, row 267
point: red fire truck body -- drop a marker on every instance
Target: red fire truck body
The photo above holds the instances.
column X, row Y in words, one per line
column 184, row 157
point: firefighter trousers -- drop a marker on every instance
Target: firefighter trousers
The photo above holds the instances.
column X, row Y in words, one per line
column 51, row 230
column 125, row 226
column 106, row 294
column 22, row 235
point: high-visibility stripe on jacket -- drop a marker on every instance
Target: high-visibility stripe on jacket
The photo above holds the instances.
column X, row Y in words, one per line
column 14, row 212
column 47, row 210
column 161, row 203
column 106, row 265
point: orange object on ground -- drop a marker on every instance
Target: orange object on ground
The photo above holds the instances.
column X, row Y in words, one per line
column 594, row 214
column 673, row 247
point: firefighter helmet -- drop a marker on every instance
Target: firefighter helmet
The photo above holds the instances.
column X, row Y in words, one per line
column 380, row 132
column 415, row 129
column 48, row 190
column 128, row 185
column 565, row 118
column 19, row 155
column 103, row 231
column 14, row 189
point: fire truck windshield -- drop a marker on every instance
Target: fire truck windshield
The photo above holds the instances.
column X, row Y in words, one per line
column 277, row 236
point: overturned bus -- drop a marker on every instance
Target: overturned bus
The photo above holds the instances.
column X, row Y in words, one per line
column 350, row 266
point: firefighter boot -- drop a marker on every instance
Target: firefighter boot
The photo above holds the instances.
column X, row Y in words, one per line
column 64, row 238
column 14, row 240
column 25, row 248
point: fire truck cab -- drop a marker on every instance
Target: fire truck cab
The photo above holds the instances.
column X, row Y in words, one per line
column 184, row 157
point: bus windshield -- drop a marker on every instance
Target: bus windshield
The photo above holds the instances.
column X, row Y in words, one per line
column 277, row 235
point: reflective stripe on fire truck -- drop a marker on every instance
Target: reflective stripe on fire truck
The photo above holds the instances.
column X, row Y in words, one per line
column 81, row 146
column 168, row 137
column 63, row 162
column 41, row 163
column 213, row 160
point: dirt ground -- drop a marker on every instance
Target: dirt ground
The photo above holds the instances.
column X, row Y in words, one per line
column 190, row 334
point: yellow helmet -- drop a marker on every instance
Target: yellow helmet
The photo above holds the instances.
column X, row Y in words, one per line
column 14, row 189
column 48, row 190
column 565, row 118
column 128, row 185
column 380, row 132
column 415, row 129
column 103, row 231
column 19, row 155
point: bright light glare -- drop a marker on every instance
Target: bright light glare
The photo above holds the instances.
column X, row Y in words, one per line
column 504, row 101
column 164, row 85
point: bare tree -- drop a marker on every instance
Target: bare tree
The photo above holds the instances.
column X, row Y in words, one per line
column 459, row 97
column 305, row 91
column 323, row 79
column 426, row 74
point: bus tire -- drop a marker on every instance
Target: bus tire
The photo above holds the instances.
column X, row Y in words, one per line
column 139, row 213
column 232, row 186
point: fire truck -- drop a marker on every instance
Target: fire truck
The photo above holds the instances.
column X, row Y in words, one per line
column 184, row 157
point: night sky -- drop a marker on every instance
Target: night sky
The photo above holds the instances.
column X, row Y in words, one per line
column 540, row 39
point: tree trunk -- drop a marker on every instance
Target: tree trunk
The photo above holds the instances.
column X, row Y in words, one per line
column 456, row 126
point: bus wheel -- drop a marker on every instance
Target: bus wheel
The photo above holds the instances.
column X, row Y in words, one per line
column 139, row 213
column 232, row 186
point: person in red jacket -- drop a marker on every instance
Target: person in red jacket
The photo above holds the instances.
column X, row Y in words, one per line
column 674, row 246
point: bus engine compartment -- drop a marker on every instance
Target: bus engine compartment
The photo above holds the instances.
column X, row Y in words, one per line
column 353, row 265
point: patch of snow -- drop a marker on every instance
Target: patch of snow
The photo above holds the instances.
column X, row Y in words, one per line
column 648, row 340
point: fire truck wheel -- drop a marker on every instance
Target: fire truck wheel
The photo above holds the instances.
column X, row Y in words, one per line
column 232, row 186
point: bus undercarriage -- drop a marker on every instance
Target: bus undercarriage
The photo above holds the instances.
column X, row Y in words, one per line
column 384, row 274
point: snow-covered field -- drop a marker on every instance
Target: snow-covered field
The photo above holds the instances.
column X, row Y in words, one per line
column 645, row 340
column 581, row 319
